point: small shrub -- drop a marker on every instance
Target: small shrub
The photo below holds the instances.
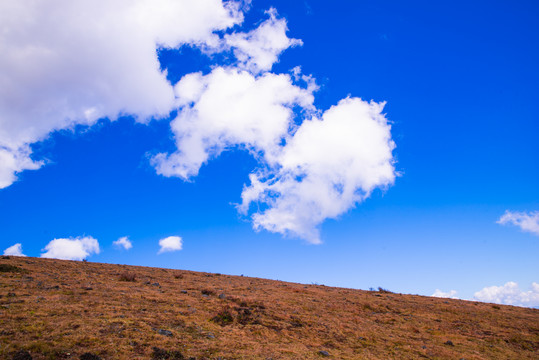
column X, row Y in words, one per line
column 178, row 276
column 223, row 317
column 22, row 355
column 127, row 276
column 89, row 356
column 245, row 316
column 161, row 354
column 384, row 291
column 296, row 322
column 208, row 292
column 11, row 268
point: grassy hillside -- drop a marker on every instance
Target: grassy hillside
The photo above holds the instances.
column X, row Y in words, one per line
column 54, row 309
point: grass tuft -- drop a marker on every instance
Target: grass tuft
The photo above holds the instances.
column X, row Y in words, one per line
column 127, row 276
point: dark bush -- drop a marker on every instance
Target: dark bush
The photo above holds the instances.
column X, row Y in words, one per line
column 22, row 355
column 11, row 268
column 89, row 356
column 161, row 354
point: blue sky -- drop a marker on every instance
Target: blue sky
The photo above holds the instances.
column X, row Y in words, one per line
column 460, row 81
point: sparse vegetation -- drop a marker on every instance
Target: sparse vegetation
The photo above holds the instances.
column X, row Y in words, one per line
column 81, row 309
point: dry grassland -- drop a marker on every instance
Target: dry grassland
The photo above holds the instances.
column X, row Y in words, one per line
column 54, row 309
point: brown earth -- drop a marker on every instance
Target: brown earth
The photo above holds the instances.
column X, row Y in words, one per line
column 54, row 309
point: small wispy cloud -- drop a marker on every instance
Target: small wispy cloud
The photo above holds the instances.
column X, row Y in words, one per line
column 169, row 244
column 123, row 243
column 15, row 250
column 528, row 222
column 452, row 294
column 260, row 48
column 510, row 294
column 78, row 248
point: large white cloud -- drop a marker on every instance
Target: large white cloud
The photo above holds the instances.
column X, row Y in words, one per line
column 510, row 294
column 328, row 166
column 78, row 248
column 169, row 244
column 226, row 108
column 15, row 250
column 525, row 221
column 307, row 174
column 72, row 62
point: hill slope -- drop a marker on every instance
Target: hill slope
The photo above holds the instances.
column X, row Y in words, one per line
column 67, row 309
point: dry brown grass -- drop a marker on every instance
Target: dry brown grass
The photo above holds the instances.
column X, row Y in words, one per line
column 64, row 309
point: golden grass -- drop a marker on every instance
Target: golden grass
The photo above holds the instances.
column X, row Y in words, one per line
column 54, row 308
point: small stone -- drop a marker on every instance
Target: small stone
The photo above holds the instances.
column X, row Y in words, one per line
column 165, row 332
column 210, row 336
column 156, row 284
column 183, row 291
column 323, row 353
column 222, row 296
column 449, row 342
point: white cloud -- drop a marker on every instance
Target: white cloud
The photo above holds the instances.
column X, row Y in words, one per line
column 226, row 108
column 526, row 221
column 260, row 48
column 15, row 250
column 327, row 167
column 171, row 243
column 73, row 62
column 307, row 173
column 510, row 294
column 77, row 248
column 452, row 294
column 123, row 243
